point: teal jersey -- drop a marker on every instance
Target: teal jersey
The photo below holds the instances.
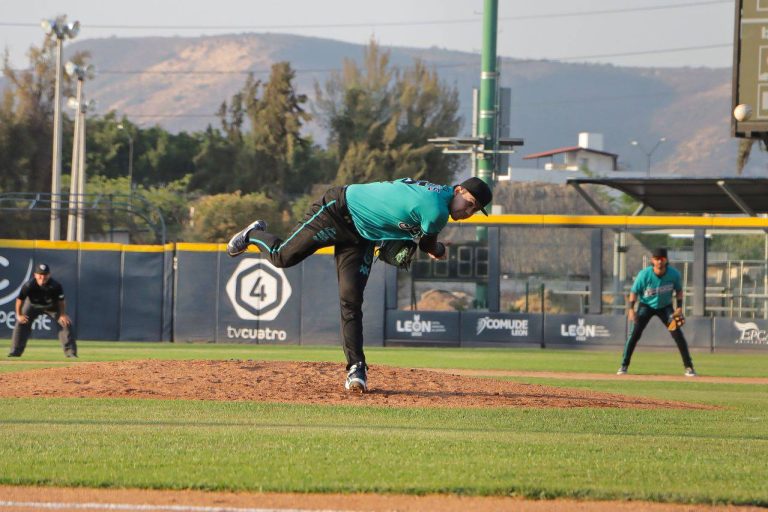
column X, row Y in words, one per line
column 399, row 210
column 657, row 291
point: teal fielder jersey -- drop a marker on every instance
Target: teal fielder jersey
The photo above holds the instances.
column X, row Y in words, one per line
column 399, row 210
column 657, row 291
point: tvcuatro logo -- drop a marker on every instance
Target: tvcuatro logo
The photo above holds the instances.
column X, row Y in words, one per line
column 582, row 330
column 751, row 334
column 515, row 326
column 258, row 290
column 418, row 327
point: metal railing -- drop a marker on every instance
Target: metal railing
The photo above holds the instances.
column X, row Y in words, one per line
column 108, row 203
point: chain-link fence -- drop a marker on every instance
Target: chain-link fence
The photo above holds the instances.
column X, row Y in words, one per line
column 548, row 269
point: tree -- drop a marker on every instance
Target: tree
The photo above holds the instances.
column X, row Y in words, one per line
column 745, row 150
column 215, row 163
column 380, row 118
column 26, row 112
column 162, row 157
column 276, row 123
column 217, row 217
column 271, row 154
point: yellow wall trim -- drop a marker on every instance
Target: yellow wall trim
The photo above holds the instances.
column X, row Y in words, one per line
column 618, row 221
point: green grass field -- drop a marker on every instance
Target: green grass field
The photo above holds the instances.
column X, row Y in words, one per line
column 700, row 456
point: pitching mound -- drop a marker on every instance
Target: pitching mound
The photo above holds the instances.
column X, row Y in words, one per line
column 297, row 382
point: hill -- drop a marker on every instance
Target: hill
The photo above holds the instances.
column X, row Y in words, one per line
column 179, row 82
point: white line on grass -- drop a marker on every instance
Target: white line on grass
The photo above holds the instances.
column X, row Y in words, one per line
column 129, row 506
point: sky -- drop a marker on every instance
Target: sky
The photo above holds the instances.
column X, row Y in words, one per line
column 644, row 33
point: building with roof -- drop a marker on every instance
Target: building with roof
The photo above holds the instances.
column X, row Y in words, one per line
column 588, row 155
column 587, row 159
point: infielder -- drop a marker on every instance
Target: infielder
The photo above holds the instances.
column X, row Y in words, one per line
column 354, row 219
column 42, row 295
column 656, row 285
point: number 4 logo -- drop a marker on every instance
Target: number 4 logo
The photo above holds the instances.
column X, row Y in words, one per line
column 258, row 290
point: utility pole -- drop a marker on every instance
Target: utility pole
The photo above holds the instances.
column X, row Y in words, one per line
column 486, row 126
column 74, row 193
column 75, row 225
column 61, row 30
column 485, row 145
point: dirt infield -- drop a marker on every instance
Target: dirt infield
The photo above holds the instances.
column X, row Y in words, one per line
column 606, row 376
column 23, row 499
column 300, row 382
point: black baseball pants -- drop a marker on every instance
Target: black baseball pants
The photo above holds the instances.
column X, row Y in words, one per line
column 326, row 224
column 643, row 316
column 21, row 332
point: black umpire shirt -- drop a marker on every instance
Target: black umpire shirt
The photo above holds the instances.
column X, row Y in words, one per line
column 42, row 296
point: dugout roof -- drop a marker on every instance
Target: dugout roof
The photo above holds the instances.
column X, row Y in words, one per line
column 690, row 195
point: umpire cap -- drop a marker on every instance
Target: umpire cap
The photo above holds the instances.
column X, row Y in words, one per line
column 42, row 268
column 480, row 190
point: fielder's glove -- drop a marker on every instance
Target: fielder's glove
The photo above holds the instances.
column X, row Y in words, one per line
column 399, row 253
column 677, row 321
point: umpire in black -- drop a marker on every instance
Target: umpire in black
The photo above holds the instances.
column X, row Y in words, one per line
column 42, row 295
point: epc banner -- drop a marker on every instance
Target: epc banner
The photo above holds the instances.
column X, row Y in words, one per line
column 741, row 333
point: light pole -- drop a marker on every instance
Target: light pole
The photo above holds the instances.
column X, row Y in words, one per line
column 75, row 226
column 647, row 153
column 130, row 160
column 61, row 30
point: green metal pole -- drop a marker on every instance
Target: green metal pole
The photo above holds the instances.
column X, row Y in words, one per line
column 486, row 126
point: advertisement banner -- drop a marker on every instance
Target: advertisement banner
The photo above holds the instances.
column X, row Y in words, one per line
column 741, row 334
column 16, row 267
column 494, row 329
column 584, row 330
column 423, row 327
column 258, row 302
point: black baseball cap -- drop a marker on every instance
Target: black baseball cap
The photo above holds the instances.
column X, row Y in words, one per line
column 659, row 252
column 42, row 268
column 480, row 190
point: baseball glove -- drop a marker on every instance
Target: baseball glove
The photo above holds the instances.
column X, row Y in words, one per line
column 399, row 253
column 678, row 320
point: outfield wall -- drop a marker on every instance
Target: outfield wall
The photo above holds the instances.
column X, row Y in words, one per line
column 186, row 292
column 196, row 293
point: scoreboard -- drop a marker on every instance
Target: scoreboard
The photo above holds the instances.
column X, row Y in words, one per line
column 467, row 261
column 750, row 69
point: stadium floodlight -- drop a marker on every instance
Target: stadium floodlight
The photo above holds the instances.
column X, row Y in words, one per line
column 72, row 29
column 79, row 72
column 647, row 153
column 61, row 29
column 47, row 26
